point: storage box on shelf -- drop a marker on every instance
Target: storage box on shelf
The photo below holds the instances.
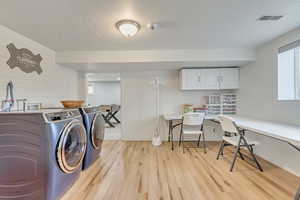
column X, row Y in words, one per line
column 200, row 110
column 221, row 104
column 228, row 104
column 213, row 104
column 192, row 108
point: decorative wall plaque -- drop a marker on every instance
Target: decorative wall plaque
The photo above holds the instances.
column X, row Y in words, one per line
column 24, row 59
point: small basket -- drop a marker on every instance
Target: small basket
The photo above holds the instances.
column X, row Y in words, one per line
column 72, row 103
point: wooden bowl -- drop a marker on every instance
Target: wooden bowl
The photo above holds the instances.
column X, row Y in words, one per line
column 72, row 103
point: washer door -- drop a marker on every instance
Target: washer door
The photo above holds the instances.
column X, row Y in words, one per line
column 71, row 146
column 97, row 131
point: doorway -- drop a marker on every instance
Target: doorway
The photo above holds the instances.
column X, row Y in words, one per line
column 104, row 89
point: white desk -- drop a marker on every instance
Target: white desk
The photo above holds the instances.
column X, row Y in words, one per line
column 280, row 131
column 283, row 132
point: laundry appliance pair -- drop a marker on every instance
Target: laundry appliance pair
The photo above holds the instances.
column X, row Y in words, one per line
column 42, row 153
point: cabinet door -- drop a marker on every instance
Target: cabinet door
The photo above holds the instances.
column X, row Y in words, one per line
column 229, row 78
column 183, row 79
column 211, row 81
column 196, row 79
column 191, row 79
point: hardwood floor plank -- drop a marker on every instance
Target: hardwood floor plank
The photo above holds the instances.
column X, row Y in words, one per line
column 139, row 171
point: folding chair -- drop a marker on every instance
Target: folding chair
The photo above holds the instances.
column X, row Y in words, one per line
column 235, row 137
column 192, row 124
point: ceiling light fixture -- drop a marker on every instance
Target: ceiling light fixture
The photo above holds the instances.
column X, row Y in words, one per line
column 128, row 27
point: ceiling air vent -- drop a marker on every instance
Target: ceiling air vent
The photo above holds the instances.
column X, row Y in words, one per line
column 270, row 18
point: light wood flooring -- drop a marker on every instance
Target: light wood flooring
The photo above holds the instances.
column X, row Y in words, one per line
column 139, row 171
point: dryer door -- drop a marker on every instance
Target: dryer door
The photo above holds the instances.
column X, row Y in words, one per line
column 97, row 131
column 71, row 146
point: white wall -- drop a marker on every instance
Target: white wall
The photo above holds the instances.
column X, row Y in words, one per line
column 106, row 93
column 258, row 98
column 56, row 83
column 103, row 76
column 82, row 86
column 138, row 108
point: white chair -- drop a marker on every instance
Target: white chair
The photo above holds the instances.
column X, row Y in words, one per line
column 192, row 124
column 233, row 136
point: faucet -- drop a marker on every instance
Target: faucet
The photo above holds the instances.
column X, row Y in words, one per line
column 9, row 102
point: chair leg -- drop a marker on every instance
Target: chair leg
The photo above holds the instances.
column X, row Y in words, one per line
column 183, row 142
column 180, row 137
column 251, row 148
column 204, row 143
column 241, row 155
column 235, row 154
column 221, row 149
column 172, row 140
column 252, row 154
column 198, row 144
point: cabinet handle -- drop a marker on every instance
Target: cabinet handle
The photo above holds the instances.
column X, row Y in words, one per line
column 219, row 82
column 199, row 79
column 220, row 78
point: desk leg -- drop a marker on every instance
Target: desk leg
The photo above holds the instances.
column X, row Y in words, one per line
column 297, row 197
column 172, row 138
column 170, row 130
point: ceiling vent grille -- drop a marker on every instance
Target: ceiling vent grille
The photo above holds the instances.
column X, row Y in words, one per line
column 270, row 18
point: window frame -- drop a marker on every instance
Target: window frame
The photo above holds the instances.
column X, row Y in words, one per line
column 296, row 71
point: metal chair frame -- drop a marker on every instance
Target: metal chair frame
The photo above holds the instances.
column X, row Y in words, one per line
column 241, row 143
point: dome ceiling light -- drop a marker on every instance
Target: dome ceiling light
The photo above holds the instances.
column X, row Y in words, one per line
column 127, row 27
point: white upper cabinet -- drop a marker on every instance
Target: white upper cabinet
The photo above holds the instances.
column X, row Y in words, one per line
column 192, row 79
column 209, row 79
column 229, row 78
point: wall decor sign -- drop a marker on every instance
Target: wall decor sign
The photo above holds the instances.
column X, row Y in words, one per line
column 24, row 59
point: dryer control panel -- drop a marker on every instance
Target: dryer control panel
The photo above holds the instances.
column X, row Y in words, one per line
column 58, row 116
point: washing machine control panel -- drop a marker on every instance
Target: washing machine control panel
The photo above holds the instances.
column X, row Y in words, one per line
column 58, row 116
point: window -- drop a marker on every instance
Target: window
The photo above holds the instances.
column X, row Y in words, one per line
column 91, row 88
column 289, row 72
